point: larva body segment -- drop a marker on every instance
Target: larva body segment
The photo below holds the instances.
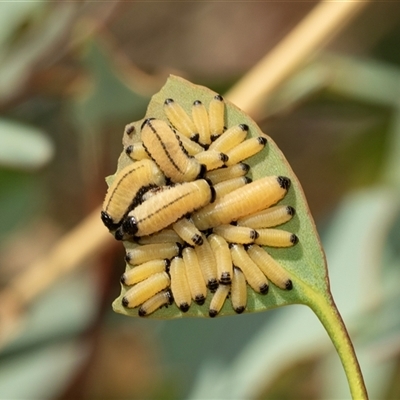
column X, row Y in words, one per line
column 211, row 159
column 268, row 218
column 245, row 150
column 159, row 300
column 225, row 187
column 200, row 119
column 165, row 149
column 270, row 267
column 143, row 271
column 216, row 114
column 236, row 234
column 223, row 258
column 195, row 278
column 276, row 238
column 208, row 264
column 249, row 199
column 144, row 290
column 186, row 230
column 148, row 252
column 179, row 119
column 126, row 190
column 231, row 138
column 223, row 174
column 254, row 277
column 164, row 236
column 179, row 284
column 166, row 207
column 218, row 300
column 238, row 291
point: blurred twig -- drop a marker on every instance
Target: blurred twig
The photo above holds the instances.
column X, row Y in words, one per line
column 90, row 236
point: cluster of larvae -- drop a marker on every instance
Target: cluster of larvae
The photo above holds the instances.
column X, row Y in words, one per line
column 199, row 222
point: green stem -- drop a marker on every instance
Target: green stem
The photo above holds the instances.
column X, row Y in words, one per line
column 327, row 312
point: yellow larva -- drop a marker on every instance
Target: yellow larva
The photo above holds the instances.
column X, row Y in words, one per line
column 179, row 284
column 238, row 291
column 255, row 196
column 126, row 190
column 200, row 119
column 185, row 229
column 144, row 290
column 223, row 174
column 165, row 149
column 195, row 278
column 164, row 236
column 136, row 152
column 143, row 271
column 225, row 187
column 276, row 238
column 246, row 149
column 231, row 138
column 211, row 159
column 271, row 268
column 189, row 145
column 166, row 207
column 270, row 217
column 148, row 252
column 236, row 234
column 216, row 115
column 218, row 300
column 223, row 258
column 254, row 276
column 207, row 263
column 161, row 299
column 179, row 119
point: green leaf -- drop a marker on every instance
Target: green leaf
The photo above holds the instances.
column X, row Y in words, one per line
column 305, row 262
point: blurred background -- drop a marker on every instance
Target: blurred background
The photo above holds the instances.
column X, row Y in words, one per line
column 72, row 75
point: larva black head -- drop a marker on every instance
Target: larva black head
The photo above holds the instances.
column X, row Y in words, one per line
column 284, row 182
column 199, row 299
column 294, row 239
column 223, row 157
column 129, row 149
column 184, row 307
column 123, row 279
column 245, row 167
column 168, row 101
column 129, row 129
column 289, row 285
column 142, row 312
column 197, row 103
column 197, row 239
column 212, row 284
column 244, row 127
column 218, row 97
column 167, row 264
column 225, row 278
column 264, row 289
column 213, row 194
column 247, row 180
column 170, row 297
column 180, row 248
column 239, row 310
column 290, row 210
column 119, row 234
column 125, row 302
column 129, row 226
column 128, row 257
column 254, row 234
column 212, row 313
column 262, row 140
column 203, row 170
column 108, row 221
column 146, row 122
column 195, row 137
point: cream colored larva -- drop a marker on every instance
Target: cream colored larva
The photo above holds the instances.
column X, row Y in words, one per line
column 216, row 114
column 268, row 218
column 238, row 291
column 208, row 264
column 200, row 119
column 223, row 174
column 236, row 234
column 225, row 187
column 186, row 230
column 126, row 189
column 143, row 271
column 276, row 238
column 154, row 303
column 218, row 300
column 179, row 284
column 148, row 252
column 137, row 152
column 245, row 150
column 231, row 138
column 223, row 258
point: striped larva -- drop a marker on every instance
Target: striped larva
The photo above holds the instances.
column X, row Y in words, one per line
column 236, row 234
column 200, row 119
column 136, row 152
column 186, row 230
column 249, row 199
column 148, row 252
column 231, row 138
column 159, row 300
column 143, row 271
column 218, row 300
column 225, row 187
column 165, row 149
column 195, row 278
column 276, row 238
column 179, row 119
column 238, row 291
column 166, row 207
column 223, row 258
column 271, row 268
column 207, row 263
column 245, row 150
column 179, row 284
column 211, row 159
column 126, row 190
column 268, row 218
column 146, row 289
column 225, row 173
column 254, row 276
column 216, row 115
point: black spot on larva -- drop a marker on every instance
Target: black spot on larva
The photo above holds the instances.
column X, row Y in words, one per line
column 223, row 157
column 212, row 284
column 264, row 289
column 294, row 239
column 212, row 313
column 254, row 234
column 214, row 137
column 145, row 122
column 123, row 279
column 197, row 239
column 213, row 194
column 244, row 127
column 262, row 140
column 129, row 150
column 119, row 234
column 290, row 210
column 230, row 245
column 197, row 103
column 225, row 278
column 108, row 221
column 203, row 170
column 167, row 264
column 289, row 285
column 128, row 257
column 284, row 182
column 199, row 299
column 239, row 310
column 180, row 248
column 245, row 167
column 219, row 97
column 141, row 312
column 247, row 179
column 129, row 130
column 170, row 297
column 125, row 302
column 195, row 137
column 184, row 307
column 168, row 101
column 130, row 226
